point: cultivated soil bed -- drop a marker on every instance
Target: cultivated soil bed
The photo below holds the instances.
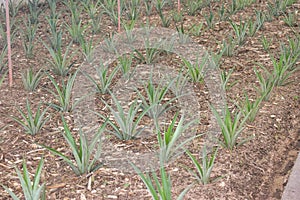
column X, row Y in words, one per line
column 258, row 169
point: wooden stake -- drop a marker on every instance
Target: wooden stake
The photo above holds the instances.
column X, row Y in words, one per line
column 8, row 45
column 119, row 16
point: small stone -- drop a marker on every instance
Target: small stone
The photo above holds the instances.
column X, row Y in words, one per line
column 112, row 197
column 175, row 170
column 82, row 197
column 222, row 184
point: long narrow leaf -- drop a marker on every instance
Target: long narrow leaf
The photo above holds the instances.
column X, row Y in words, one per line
column 13, row 195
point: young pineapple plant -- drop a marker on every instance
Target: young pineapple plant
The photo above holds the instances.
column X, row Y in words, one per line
column 31, row 189
column 232, row 126
column 86, row 153
column 30, row 121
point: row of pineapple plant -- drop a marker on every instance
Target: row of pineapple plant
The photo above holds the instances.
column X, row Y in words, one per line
column 231, row 126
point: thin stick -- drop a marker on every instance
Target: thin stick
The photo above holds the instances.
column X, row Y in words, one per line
column 8, row 45
column 119, row 16
column 179, row 6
